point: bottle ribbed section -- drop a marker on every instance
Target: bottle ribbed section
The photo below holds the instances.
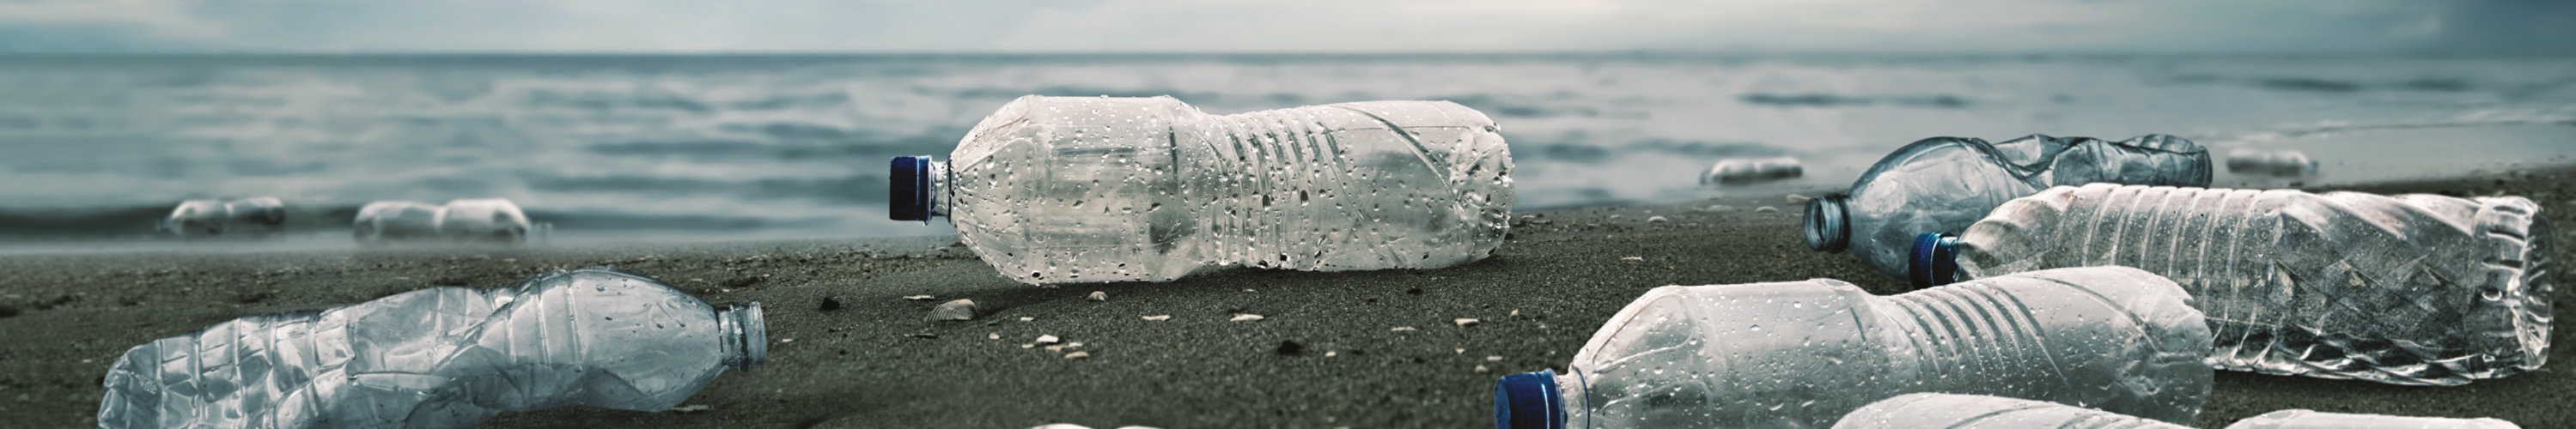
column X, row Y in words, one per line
column 2414, row 289
column 1977, row 338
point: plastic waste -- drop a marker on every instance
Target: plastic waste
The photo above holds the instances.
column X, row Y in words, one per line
column 1746, row 171
column 483, row 221
column 2305, row 419
column 440, row 358
column 1084, row 189
column 258, row 217
column 2287, row 163
column 1955, row 411
column 2406, row 289
column 1802, row 354
column 1942, row 184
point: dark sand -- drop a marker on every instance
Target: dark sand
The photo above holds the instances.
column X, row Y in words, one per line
column 68, row 317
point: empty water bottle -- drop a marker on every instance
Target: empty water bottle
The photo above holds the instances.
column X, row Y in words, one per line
column 440, row 358
column 2287, row 163
column 1801, row 354
column 1956, row 411
column 258, row 217
column 1943, row 184
column 2407, row 289
column 2305, row 419
column 1746, row 171
column 486, row 221
column 1083, row 189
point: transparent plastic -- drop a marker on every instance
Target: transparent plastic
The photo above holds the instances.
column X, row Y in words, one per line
column 1802, row 354
column 1955, row 411
column 2406, row 289
column 477, row 221
column 1747, row 171
column 1943, row 184
column 440, row 358
column 259, row 217
column 1098, row 189
column 2305, row 419
column 2286, row 163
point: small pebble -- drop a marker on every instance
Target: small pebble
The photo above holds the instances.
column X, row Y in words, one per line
column 1493, row 358
column 1657, row 219
column 1464, row 322
column 830, row 304
column 1795, row 198
column 1516, row 314
column 1403, row 329
column 1098, row 296
column 1480, row 369
column 993, row 336
column 1158, row 318
column 690, row 408
column 1765, row 209
column 925, row 335
column 1634, row 258
column 1245, row 318
column 1328, row 353
column 1026, row 318
column 1048, row 339
column 920, row 298
column 1078, row 355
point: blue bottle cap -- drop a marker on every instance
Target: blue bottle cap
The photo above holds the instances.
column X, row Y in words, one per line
column 1935, row 260
column 909, row 197
column 1528, row 401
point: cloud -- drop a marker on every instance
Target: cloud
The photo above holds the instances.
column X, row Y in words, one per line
column 1270, row 26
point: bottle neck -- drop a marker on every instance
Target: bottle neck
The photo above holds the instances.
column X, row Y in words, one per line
column 745, row 336
column 919, row 189
column 1828, row 224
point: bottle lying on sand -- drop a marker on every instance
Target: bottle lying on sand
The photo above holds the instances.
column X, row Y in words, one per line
column 440, row 358
column 1746, row 171
column 1099, row 189
column 1954, row 411
column 1801, row 354
column 1943, row 184
column 259, row 217
column 483, row 221
column 2305, row 419
column 2407, row 289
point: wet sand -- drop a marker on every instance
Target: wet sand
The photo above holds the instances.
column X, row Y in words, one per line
column 1326, row 354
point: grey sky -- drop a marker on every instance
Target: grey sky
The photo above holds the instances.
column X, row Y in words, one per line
column 2194, row 26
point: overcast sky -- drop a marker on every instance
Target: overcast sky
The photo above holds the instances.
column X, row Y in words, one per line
column 1862, row 26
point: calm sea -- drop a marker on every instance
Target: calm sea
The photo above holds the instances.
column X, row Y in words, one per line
column 727, row 147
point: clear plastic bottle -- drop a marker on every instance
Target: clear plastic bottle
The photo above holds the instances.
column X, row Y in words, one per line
column 1956, row 411
column 258, row 217
column 481, row 221
column 2305, row 419
column 2406, row 289
column 1747, row 171
column 440, row 358
column 1802, row 354
column 2286, row 163
column 1084, row 189
column 1942, row 184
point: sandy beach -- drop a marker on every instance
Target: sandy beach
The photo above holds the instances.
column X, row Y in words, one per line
column 1332, row 349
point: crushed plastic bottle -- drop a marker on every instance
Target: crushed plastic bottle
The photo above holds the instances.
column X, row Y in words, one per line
column 1956, row 411
column 2406, row 289
column 2305, row 419
column 479, row 221
column 2286, row 163
column 259, row 217
column 440, row 358
column 1943, row 184
column 1083, row 189
column 1746, row 171
column 1802, row 354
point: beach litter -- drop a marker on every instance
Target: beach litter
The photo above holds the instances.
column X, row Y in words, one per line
column 962, row 309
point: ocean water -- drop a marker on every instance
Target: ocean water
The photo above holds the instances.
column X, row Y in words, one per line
column 749, row 147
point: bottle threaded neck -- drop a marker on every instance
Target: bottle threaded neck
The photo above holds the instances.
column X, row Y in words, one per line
column 745, row 336
column 1828, row 225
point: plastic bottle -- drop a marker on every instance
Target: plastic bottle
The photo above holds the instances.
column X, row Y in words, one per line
column 1746, row 171
column 258, row 217
column 484, row 221
column 1801, row 354
column 1955, row 411
column 2407, row 289
column 2305, row 419
column 1942, row 184
column 1084, row 189
column 2287, row 163
column 440, row 357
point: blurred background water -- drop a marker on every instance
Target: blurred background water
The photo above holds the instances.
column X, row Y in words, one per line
column 749, row 147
